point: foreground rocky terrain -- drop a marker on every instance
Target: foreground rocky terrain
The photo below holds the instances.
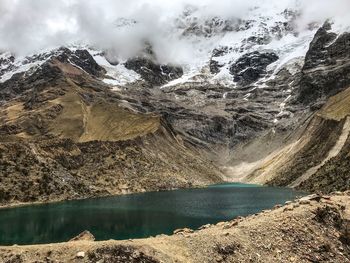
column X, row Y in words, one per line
column 312, row 229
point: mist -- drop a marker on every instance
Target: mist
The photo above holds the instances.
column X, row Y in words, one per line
column 27, row 26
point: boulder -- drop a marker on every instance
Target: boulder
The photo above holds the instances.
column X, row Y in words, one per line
column 183, row 231
column 84, row 236
column 313, row 197
column 81, row 254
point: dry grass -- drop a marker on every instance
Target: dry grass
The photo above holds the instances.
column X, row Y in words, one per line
column 337, row 107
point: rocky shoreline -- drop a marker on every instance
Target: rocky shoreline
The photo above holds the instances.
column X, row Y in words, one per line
column 315, row 228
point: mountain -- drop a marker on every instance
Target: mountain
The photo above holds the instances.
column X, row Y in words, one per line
column 262, row 100
column 65, row 134
column 309, row 154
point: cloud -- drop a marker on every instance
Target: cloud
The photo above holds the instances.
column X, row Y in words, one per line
column 30, row 25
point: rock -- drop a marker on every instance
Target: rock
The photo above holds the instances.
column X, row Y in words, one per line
column 252, row 66
column 313, row 197
column 288, row 208
column 219, row 259
column 155, row 74
column 325, row 71
column 81, row 254
column 82, row 59
column 288, row 202
column 84, row 236
column 183, row 231
column 231, row 224
column 304, row 202
column 220, row 51
column 214, row 66
column 277, row 206
column 296, row 205
column 204, row 227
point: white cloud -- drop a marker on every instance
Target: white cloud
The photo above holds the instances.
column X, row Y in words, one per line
column 29, row 25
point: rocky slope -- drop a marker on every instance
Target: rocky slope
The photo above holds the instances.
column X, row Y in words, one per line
column 249, row 104
column 266, row 102
column 307, row 156
column 312, row 229
column 65, row 135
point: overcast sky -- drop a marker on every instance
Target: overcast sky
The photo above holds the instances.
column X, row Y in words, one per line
column 30, row 25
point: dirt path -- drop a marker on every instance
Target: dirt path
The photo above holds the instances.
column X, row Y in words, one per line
column 332, row 153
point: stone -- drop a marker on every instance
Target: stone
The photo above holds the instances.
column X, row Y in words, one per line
column 204, row 226
column 304, row 202
column 296, row 205
column 84, row 236
column 288, row 208
column 231, row 224
column 81, row 254
column 183, row 231
column 313, row 197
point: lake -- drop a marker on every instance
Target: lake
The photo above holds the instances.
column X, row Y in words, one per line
column 137, row 215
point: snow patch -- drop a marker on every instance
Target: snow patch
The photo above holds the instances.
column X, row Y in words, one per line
column 118, row 75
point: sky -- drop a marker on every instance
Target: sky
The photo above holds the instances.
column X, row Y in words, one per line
column 27, row 26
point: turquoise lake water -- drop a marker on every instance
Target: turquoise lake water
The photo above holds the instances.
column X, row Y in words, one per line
column 136, row 215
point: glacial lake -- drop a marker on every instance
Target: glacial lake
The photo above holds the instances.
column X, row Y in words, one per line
column 136, row 215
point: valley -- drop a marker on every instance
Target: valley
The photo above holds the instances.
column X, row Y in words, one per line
column 258, row 99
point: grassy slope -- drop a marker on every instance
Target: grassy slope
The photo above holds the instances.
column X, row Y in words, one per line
column 75, row 141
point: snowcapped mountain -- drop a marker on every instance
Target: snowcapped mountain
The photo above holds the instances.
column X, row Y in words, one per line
column 238, row 55
column 237, row 87
column 211, row 45
column 252, row 61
